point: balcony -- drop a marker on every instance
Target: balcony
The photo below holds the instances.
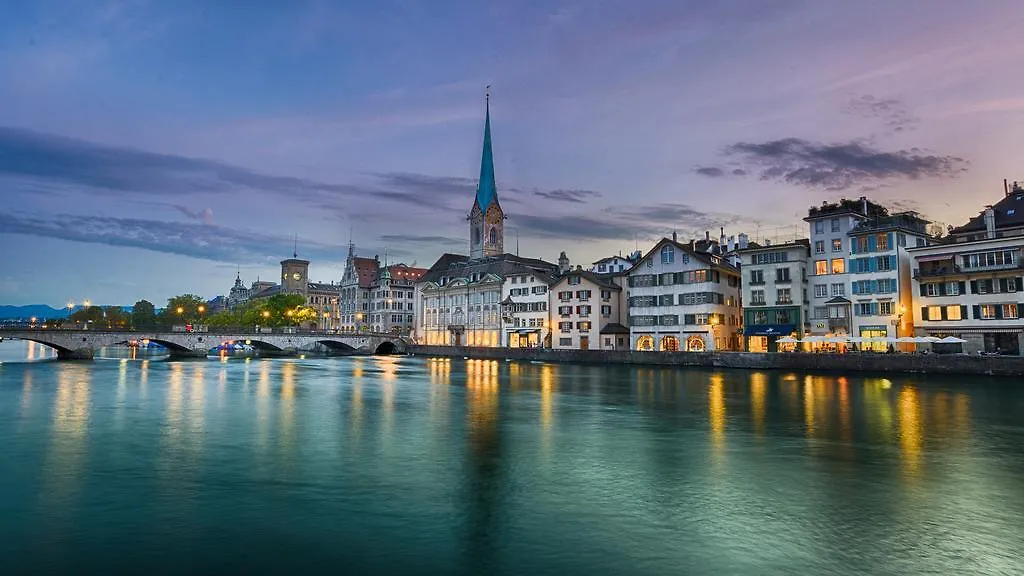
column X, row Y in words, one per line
column 836, row 323
column 783, row 280
column 759, row 303
column 755, row 283
column 785, row 302
column 937, row 271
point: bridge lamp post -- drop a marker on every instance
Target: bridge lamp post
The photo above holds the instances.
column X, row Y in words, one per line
column 87, row 303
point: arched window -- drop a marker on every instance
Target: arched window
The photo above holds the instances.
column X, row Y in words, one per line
column 669, row 344
column 668, row 254
column 695, row 343
column 645, row 343
column 493, row 236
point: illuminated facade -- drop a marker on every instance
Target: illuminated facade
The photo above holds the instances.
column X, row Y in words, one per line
column 775, row 297
column 586, row 312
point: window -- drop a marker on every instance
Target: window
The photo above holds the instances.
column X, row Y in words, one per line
column 882, row 242
column 820, row 267
column 769, row 258
column 757, row 298
column 988, row 312
column 886, row 308
column 565, row 341
column 838, row 266
column 884, row 263
column 782, row 275
column 757, row 277
column 782, row 317
column 668, row 254
column 819, row 227
column 837, row 245
column 820, row 312
column 819, row 247
column 583, row 326
column 759, row 317
column 1009, row 311
column 998, row 258
column 601, row 267
column 583, row 294
column 935, row 312
column 838, row 290
column 565, row 326
column 565, row 310
column 574, row 280
column 783, row 296
column 606, row 295
column 821, row 290
column 864, row 309
column 835, row 224
column 952, row 288
column 606, row 311
column 953, row 313
column 565, row 296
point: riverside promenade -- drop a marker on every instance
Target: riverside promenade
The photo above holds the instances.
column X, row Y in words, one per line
column 863, row 362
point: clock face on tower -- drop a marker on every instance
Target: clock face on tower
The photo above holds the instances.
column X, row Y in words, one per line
column 284, row 276
column 296, row 276
column 493, row 217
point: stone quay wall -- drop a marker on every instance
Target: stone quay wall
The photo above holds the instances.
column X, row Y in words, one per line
column 798, row 362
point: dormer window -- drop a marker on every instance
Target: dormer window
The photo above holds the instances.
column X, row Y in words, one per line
column 668, row 254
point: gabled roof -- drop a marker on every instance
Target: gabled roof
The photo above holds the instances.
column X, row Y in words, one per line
column 495, row 267
column 367, row 270
column 614, row 328
column 407, row 273
column 1009, row 213
column 602, row 280
column 323, row 287
column 702, row 256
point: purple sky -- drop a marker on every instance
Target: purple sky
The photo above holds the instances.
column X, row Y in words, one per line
column 149, row 148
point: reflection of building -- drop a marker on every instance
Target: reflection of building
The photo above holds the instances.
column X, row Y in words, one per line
column 829, row 291
column 774, row 294
column 683, row 299
column 458, row 300
column 586, row 311
column 971, row 286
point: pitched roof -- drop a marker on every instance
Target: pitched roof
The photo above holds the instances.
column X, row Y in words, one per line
column 323, row 287
column 614, row 328
column 602, row 280
column 503, row 265
column 366, row 270
column 1009, row 213
column 702, row 256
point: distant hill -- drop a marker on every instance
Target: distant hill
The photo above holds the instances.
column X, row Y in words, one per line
column 32, row 310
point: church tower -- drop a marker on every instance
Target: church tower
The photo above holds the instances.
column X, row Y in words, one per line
column 486, row 219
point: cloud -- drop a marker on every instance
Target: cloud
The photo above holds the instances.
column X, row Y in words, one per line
column 890, row 111
column 204, row 215
column 710, row 171
column 838, row 166
column 203, row 241
column 573, row 196
column 414, row 239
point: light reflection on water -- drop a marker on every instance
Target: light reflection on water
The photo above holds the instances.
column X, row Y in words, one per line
column 483, row 466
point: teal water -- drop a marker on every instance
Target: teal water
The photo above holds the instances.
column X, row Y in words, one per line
column 406, row 465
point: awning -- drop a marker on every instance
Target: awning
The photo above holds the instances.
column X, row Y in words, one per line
column 769, row 330
column 528, row 331
column 935, row 258
column 838, row 300
column 614, row 328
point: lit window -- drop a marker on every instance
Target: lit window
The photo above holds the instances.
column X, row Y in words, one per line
column 953, row 313
column 838, row 266
column 935, row 312
column 820, row 267
column 885, row 308
column 988, row 311
column 837, row 245
column 1009, row 311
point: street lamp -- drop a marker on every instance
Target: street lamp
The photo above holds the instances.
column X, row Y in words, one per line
column 180, row 310
column 87, row 303
column 202, row 308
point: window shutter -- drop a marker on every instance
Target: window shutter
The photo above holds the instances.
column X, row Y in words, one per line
column 963, row 312
column 892, row 262
column 942, row 313
column 999, row 312
column 1020, row 284
column 976, row 310
column 874, row 287
column 923, row 289
column 1002, row 285
column 942, row 288
column 974, row 289
column 872, row 244
column 924, row 313
column 963, row 289
column 892, row 240
column 853, row 245
column 874, row 308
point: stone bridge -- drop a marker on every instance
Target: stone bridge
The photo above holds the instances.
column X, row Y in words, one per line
column 82, row 344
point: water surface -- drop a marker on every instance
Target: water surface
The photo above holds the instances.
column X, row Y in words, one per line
column 429, row 466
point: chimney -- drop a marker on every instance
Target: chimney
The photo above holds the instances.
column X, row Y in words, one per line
column 731, row 243
column 721, row 238
column 693, row 244
column 864, row 205
column 707, row 235
column 990, row 222
column 674, row 237
column 1006, row 187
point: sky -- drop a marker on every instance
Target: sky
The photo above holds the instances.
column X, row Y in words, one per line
column 153, row 148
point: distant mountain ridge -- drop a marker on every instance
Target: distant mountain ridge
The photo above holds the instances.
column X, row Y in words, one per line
column 33, row 311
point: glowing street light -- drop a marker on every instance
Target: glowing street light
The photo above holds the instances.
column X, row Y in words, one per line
column 87, row 303
column 266, row 313
column 202, row 308
column 180, row 310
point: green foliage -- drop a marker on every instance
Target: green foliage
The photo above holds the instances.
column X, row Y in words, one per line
column 143, row 314
column 275, row 311
column 184, row 309
column 100, row 317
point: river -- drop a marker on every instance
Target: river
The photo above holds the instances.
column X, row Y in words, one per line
column 409, row 465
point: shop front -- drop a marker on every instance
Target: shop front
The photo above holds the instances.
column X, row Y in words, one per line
column 524, row 338
column 764, row 337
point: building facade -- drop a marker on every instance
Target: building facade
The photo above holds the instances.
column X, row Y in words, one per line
column 880, row 274
column 972, row 285
column 392, row 299
column 323, row 298
column 239, row 294
column 831, row 309
column 683, row 299
column 586, row 312
column 524, row 307
column 775, row 295
column 615, row 264
column 356, row 289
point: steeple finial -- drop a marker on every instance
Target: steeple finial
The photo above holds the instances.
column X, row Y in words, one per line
column 295, row 246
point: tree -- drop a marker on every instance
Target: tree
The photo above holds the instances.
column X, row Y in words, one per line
column 143, row 314
column 184, row 309
column 115, row 317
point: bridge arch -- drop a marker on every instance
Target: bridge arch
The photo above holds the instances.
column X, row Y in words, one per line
column 61, row 350
column 386, row 347
column 337, row 345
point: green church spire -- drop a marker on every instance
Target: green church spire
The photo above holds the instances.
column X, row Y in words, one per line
column 487, row 191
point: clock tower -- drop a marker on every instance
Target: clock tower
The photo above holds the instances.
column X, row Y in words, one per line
column 295, row 276
column 486, row 218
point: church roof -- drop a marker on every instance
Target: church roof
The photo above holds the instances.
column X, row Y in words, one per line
column 487, row 191
column 502, row 265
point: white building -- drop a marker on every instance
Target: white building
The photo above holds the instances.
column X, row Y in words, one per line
column 392, row 299
column 524, row 308
column 683, row 299
column 586, row 310
column 972, row 286
column 775, row 295
column 615, row 264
